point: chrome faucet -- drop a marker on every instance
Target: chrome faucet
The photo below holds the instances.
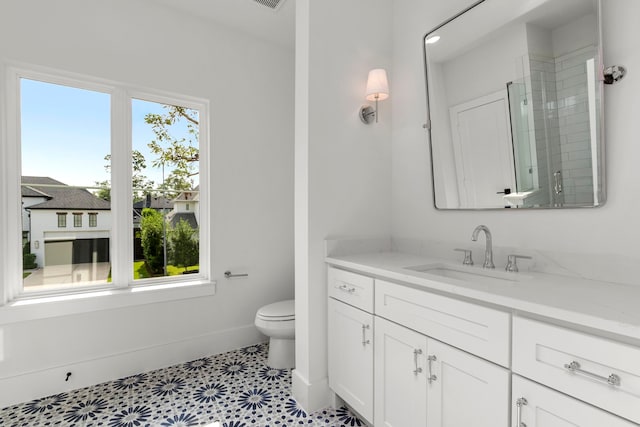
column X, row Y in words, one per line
column 488, row 253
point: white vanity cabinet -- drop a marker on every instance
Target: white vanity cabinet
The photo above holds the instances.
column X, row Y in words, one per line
column 350, row 342
column 538, row 406
column 420, row 381
column 401, row 383
column 466, row 390
column 472, row 354
column 385, row 363
column 598, row 371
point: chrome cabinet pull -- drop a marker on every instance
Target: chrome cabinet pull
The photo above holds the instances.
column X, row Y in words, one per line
column 574, row 366
column 416, row 352
column 519, row 404
column 365, row 341
column 432, row 377
column 347, row 289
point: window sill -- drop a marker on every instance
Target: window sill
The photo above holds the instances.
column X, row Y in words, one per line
column 63, row 305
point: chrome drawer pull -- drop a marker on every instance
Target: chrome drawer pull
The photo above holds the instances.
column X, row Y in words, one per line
column 574, row 366
column 416, row 352
column 347, row 289
column 432, row 377
column 519, row 404
column 365, row 341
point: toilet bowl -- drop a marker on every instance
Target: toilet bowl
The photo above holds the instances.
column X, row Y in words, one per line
column 277, row 321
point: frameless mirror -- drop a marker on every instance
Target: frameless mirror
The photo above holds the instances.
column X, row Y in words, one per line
column 514, row 96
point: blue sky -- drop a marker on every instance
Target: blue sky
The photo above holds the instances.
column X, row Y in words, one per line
column 65, row 133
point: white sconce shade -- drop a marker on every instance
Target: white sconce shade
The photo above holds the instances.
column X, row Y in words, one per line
column 377, row 90
column 377, row 85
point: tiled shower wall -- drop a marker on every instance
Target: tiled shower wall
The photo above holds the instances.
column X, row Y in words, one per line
column 560, row 127
column 545, row 128
column 573, row 118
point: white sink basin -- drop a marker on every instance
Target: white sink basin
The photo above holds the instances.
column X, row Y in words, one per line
column 468, row 273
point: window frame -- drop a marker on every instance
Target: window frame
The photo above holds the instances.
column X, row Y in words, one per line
column 62, row 219
column 121, row 247
column 93, row 219
column 77, row 219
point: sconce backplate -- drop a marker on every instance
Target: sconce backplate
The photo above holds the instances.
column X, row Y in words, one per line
column 367, row 114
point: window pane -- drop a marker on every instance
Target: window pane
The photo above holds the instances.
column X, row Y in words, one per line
column 165, row 190
column 65, row 143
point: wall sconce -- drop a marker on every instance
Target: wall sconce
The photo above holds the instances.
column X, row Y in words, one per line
column 36, row 244
column 377, row 90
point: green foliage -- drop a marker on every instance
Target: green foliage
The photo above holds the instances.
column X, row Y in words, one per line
column 140, row 270
column 140, row 183
column 151, row 228
column 29, row 261
column 26, row 248
column 181, row 154
column 184, row 245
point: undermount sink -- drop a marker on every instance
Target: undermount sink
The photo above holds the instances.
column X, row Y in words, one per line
column 467, row 274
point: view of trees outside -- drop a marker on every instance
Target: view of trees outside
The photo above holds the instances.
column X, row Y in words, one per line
column 165, row 172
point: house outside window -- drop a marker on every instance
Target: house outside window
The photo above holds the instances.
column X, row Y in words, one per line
column 62, row 219
column 118, row 171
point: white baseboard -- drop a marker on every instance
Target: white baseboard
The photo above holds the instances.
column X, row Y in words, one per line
column 311, row 397
column 32, row 385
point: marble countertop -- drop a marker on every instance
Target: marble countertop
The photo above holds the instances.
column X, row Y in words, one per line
column 608, row 308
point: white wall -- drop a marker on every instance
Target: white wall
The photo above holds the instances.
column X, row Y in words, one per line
column 342, row 171
column 483, row 69
column 250, row 86
column 606, row 237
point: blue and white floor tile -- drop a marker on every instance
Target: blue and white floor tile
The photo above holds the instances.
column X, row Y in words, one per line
column 235, row 389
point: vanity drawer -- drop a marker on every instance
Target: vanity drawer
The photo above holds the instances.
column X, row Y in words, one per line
column 580, row 365
column 479, row 330
column 352, row 288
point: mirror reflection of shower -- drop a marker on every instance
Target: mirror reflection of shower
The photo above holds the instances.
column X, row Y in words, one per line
column 553, row 129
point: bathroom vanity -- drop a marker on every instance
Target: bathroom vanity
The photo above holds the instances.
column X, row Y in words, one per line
column 424, row 342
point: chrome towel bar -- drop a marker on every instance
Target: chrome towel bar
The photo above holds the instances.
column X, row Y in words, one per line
column 228, row 275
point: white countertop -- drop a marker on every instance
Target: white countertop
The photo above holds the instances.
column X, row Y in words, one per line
column 606, row 307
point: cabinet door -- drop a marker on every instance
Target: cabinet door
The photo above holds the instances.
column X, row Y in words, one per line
column 400, row 376
column 351, row 356
column 465, row 390
column 543, row 407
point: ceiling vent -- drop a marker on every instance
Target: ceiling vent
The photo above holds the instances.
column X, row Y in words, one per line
column 271, row 4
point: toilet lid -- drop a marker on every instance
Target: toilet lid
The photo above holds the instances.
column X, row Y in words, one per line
column 282, row 310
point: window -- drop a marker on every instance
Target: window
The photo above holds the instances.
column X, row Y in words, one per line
column 166, row 241
column 62, row 219
column 79, row 152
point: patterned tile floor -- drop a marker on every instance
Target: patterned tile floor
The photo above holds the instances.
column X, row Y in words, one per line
column 235, row 389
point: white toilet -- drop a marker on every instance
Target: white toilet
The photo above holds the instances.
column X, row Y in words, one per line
column 277, row 321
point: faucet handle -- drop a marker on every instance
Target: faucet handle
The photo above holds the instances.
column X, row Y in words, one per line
column 512, row 262
column 467, row 256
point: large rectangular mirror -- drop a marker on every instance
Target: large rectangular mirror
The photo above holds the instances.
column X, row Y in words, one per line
column 514, row 95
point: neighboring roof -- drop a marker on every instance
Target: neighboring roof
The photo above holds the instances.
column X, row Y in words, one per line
column 28, row 191
column 157, row 203
column 63, row 197
column 190, row 217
